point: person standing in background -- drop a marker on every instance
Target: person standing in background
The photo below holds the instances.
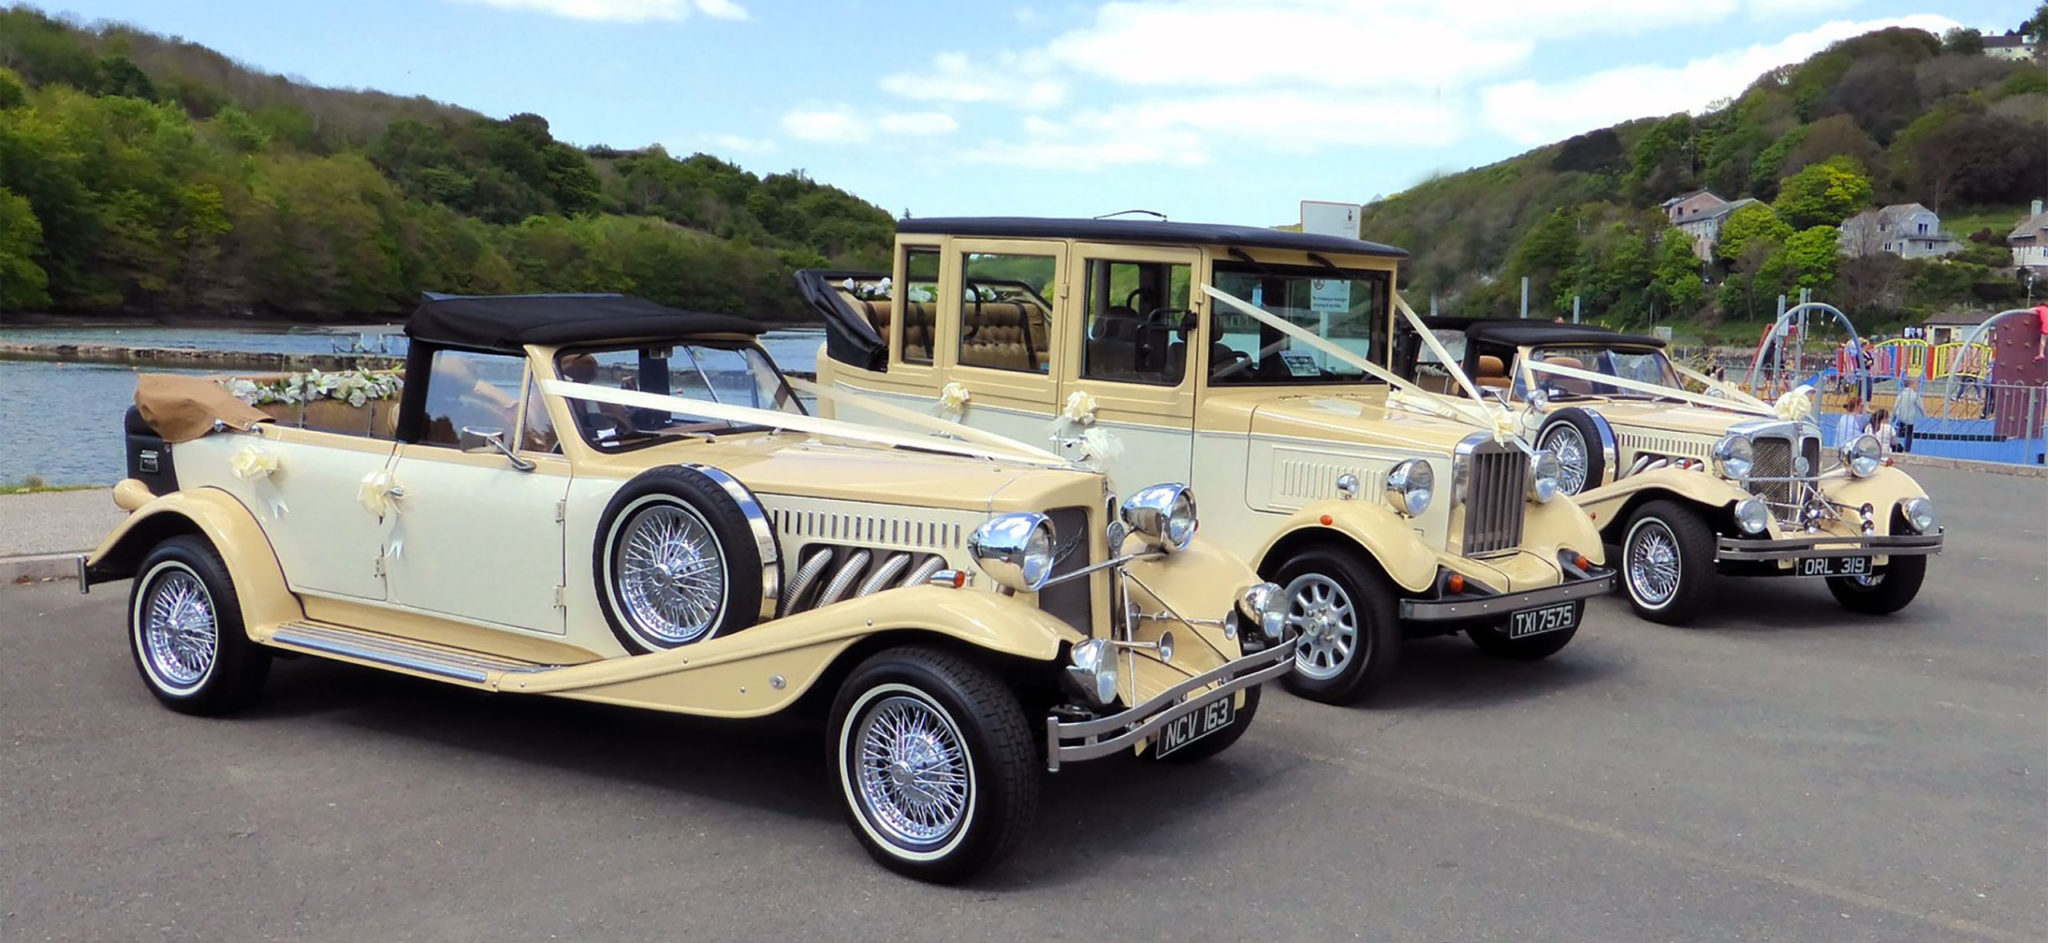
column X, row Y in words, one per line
column 1908, row 412
column 1881, row 426
column 1852, row 424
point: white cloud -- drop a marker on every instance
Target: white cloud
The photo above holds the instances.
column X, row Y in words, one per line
column 1189, row 130
column 834, row 125
column 1530, row 112
column 1005, row 78
column 624, row 11
column 919, row 123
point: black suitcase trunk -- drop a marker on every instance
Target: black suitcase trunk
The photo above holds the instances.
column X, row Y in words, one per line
column 149, row 456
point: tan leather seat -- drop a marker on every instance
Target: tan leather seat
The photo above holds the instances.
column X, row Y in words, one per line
column 1492, row 372
column 1567, row 384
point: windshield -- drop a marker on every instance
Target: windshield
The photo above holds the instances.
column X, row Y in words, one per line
column 1344, row 306
column 1644, row 365
column 727, row 374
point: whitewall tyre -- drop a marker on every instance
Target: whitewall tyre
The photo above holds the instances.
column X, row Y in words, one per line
column 1667, row 562
column 185, row 631
column 935, row 762
column 676, row 562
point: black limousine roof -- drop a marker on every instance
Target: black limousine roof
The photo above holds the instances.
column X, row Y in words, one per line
column 1142, row 231
column 507, row 323
column 1515, row 332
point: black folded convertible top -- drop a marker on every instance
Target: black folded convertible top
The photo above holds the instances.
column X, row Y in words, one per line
column 1518, row 332
column 507, row 323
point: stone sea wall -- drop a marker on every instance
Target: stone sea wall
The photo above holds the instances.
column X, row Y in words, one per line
column 193, row 358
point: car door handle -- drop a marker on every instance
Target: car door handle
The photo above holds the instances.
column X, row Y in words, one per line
column 395, row 492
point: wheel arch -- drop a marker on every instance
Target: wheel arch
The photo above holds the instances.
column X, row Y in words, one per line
column 1610, row 506
column 1384, row 544
column 224, row 523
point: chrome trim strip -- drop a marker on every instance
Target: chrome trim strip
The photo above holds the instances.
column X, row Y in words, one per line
column 84, row 585
column 764, row 534
column 1452, row 610
column 397, row 653
column 1610, row 447
column 1127, row 727
column 1798, row 548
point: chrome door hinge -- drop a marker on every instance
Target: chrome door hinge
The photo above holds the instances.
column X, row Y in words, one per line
column 561, row 511
column 380, row 563
column 561, row 597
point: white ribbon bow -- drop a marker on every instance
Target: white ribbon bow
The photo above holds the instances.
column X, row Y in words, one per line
column 953, row 399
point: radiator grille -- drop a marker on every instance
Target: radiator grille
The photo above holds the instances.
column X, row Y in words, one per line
column 1775, row 479
column 1071, row 602
column 1494, row 484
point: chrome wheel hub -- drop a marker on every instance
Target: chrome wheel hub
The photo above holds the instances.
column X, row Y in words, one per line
column 913, row 772
column 1323, row 614
column 1572, row 459
column 670, row 574
column 180, row 632
column 1653, row 563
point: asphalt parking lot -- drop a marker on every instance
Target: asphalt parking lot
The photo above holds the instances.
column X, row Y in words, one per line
column 1785, row 771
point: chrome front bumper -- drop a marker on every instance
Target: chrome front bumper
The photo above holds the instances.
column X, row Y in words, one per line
column 1731, row 549
column 1072, row 741
column 1479, row 607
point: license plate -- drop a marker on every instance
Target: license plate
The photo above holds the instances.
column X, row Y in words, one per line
column 1195, row 724
column 1834, row 566
column 1529, row 622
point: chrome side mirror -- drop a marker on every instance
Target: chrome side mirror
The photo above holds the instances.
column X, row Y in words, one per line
column 481, row 439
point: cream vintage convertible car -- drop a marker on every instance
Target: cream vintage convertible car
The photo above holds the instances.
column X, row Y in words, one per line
column 1691, row 477
column 1251, row 363
column 596, row 497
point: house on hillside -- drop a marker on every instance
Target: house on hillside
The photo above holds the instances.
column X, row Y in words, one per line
column 2012, row 45
column 1680, row 208
column 1907, row 230
column 2029, row 242
column 1704, row 225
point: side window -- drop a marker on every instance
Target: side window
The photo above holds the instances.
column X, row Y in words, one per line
column 536, row 429
column 470, row 390
column 1136, row 312
column 1005, row 320
column 918, row 299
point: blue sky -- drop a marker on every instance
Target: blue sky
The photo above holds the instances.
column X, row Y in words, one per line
column 1207, row 110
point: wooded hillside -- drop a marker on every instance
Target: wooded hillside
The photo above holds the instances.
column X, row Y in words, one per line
column 1896, row 116
column 141, row 174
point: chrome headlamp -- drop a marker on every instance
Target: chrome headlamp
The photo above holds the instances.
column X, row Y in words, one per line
column 1863, row 455
column 1163, row 514
column 1919, row 514
column 1539, row 402
column 1735, row 456
column 1093, row 670
column 1262, row 605
column 1752, row 515
column 1411, row 486
column 1015, row 550
column 1543, row 471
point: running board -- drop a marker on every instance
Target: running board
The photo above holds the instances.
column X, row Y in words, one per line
column 374, row 648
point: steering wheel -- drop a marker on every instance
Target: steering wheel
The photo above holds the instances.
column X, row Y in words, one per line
column 1239, row 363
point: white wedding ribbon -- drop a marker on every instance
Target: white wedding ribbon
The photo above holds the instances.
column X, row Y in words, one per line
column 255, row 466
column 1451, row 364
column 953, row 399
column 945, row 427
column 379, row 494
column 1415, row 397
column 1654, row 389
column 1730, row 390
column 796, row 422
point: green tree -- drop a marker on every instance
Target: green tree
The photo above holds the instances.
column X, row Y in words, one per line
column 23, row 283
column 13, row 94
column 1677, row 285
column 1823, row 194
column 1752, row 224
column 1806, row 260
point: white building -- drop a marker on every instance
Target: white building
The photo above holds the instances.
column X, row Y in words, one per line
column 1703, row 224
column 1907, row 230
column 2030, row 241
column 2012, row 45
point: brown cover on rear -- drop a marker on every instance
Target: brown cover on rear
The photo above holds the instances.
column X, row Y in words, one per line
column 183, row 408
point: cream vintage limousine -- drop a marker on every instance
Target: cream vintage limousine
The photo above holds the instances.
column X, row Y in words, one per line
column 599, row 498
column 1251, row 363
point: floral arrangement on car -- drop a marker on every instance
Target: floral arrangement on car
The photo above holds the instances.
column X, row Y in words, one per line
column 354, row 387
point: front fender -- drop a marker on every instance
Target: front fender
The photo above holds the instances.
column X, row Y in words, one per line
column 1610, row 504
column 1387, row 537
column 1882, row 491
column 227, row 525
column 767, row 667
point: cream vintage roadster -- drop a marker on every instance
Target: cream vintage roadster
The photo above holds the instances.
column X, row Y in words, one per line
column 599, row 498
column 1251, row 363
column 1690, row 476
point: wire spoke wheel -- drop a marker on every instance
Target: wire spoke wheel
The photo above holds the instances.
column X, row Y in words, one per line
column 1653, row 563
column 1572, row 459
column 1327, row 622
column 180, row 630
column 671, row 575
column 914, row 779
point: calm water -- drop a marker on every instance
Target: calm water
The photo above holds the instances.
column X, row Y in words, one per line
column 63, row 420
